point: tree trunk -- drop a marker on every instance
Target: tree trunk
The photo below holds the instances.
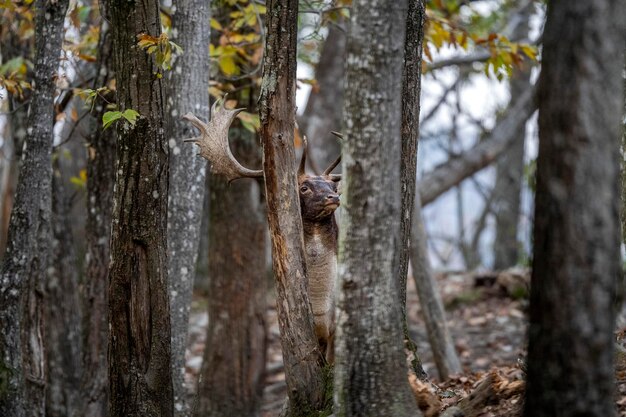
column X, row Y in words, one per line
column 234, row 359
column 62, row 310
column 101, row 155
column 411, row 88
column 446, row 358
column 576, row 260
column 510, row 170
column 323, row 108
column 14, row 121
column 140, row 373
column 302, row 357
column 25, row 261
column 189, row 82
column 370, row 370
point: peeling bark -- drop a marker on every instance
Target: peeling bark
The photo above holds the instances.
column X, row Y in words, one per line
column 302, row 357
column 140, row 372
column 411, row 88
column 188, row 91
column 23, row 271
column 370, row 369
column 576, row 261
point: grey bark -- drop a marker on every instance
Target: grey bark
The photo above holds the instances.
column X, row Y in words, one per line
column 140, row 371
column 323, row 112
column 201, row 280
column 370, row 370
column 101, row 156
column 302, row 357
column 188, row 91
column 23, row 271
column 411, row 88
column 231, row 381
column 451, row 173
column 446, row 358
column 576, row 261
column 510, row 171
column 62, row 309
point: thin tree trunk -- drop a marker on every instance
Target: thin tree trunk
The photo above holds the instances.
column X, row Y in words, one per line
column 370, row 369
column 411, row 88
column 140, row 372
column 188, row 87
column 62, row 310
column 21, row 286
column 323, row 109
column 234, row 360
column 15, row 118
column 446, row 358
column 301, row 354
column 576, row 261
column 510, row 170
column 101, row 155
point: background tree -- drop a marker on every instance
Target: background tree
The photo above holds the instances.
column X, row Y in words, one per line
column 510, row 169
column 235, row 356
column 233, row 369
column 62, row 308
column 140, row 374
column 576, row 260
column 101, row 158
column 370, row 371
column 25, row 260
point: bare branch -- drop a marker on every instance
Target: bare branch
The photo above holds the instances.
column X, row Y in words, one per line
column 449, row 174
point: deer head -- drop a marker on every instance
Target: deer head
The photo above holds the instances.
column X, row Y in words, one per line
column 319, row 197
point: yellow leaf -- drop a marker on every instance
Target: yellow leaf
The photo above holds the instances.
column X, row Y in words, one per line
column 215, row 24
column 227, row 65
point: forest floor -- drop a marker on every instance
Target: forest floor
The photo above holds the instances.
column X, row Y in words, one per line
column 487, row 319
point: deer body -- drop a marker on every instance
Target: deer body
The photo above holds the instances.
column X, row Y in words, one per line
column 319, row 199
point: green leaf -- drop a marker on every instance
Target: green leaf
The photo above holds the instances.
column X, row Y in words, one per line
column 109, row 117
column 130, row 115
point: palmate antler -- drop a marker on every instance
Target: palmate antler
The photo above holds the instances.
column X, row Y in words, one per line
column 214, row 147
column 213, row 143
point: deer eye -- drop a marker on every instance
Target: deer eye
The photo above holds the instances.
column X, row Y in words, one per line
column 304, row 189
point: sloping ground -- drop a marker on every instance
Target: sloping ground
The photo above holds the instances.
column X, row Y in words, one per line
column 487, row 320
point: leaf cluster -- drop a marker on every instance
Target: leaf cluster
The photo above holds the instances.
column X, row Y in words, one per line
column 452, row 24
column 161, row 47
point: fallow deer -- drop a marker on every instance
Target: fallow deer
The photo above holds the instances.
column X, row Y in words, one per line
column 319, row 198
